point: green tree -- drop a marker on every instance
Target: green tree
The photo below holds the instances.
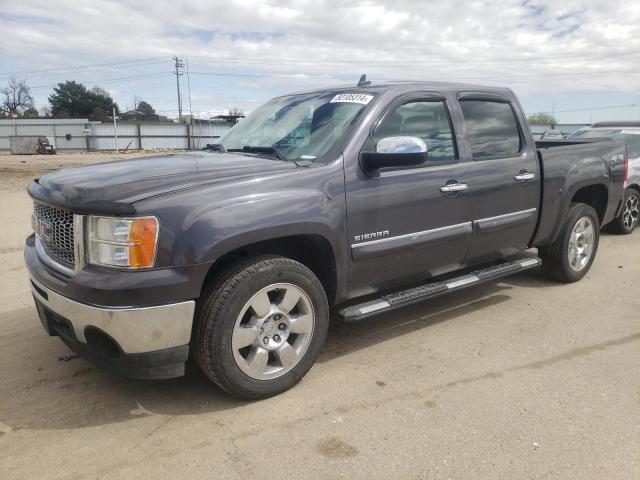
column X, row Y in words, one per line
column 73, row 100
column 99, row 114
column 144, row 107
column 541, row 119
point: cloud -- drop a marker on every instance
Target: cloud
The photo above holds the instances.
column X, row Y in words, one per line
column 530, row 45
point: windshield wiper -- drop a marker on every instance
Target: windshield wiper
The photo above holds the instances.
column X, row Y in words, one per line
column 255, row 149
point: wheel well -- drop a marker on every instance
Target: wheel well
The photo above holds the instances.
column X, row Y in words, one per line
column 313, row 251
column 595, row 196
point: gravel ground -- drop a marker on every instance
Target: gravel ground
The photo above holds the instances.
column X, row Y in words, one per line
column 17, row 171
column 521, row 378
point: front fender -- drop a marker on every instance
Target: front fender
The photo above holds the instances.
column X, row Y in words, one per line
column 198, row 226
column 210, row 232
column 214, row 232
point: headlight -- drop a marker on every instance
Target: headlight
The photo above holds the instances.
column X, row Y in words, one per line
column 123, row 242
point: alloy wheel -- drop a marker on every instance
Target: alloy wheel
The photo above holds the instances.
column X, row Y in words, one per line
column 581, row 243
column 273, row 331
column 631, row 212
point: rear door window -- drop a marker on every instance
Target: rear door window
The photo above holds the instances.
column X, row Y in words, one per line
column 492, row 129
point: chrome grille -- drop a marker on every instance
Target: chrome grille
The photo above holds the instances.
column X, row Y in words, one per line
column 54, row 228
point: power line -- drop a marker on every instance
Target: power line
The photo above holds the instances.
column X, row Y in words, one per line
column 502, row 61
column 83, row 70
column 252, row 75
column 95, row 65
column 109, row 80
column 606, row 107
column 434, row 78
column 329, row 78
column 280, row 61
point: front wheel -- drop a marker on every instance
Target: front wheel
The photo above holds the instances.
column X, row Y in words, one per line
column 260, row 327
column 569, row 258
column 627, row 221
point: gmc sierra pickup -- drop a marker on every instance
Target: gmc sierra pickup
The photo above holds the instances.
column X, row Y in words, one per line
column 352, row 200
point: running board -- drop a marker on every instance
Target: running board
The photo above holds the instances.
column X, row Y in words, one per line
column 395, row 300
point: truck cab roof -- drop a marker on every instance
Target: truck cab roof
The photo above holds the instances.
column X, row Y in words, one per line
column 400, row 87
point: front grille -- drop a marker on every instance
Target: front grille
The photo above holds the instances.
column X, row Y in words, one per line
column 54, row 227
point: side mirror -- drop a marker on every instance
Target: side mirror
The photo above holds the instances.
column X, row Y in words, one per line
column 396, row 152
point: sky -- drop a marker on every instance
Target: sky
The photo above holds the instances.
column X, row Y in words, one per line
column 578, row 59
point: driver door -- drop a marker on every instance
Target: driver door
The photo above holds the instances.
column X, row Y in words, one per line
column 404, row 224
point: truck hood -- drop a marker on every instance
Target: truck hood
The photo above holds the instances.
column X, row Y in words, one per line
column 113, row 187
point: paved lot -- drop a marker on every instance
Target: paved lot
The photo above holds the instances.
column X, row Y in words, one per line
column 522, row 378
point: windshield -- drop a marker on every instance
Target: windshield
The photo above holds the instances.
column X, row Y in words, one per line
column 630, row 137
column 298, row 127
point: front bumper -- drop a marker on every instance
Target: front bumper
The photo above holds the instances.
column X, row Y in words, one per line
column 148, row 342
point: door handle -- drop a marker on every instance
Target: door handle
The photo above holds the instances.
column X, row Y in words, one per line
column 454, row 187
column 524, row 176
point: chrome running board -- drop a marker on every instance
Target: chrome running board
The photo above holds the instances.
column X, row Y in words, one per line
column 424, row 292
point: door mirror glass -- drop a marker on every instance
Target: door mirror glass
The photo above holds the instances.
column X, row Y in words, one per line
column 399, row 151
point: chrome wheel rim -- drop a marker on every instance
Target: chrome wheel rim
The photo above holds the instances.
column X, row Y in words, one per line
column 631, row 212
column 581, row 244
column 273, row 331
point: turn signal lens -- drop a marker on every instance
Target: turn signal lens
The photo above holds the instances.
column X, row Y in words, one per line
column 142, row 237
column 123, row 242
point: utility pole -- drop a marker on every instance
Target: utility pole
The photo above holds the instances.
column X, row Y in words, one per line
column 179, row 65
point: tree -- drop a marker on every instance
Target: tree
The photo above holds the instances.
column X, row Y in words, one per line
column 541, row 119
column 136, row 100
column 144, row 107
column 236, row 112
column 17, row 97
column 103, row 104
column 73, row 100
column 100, row 92
column 44, row 112
column 30, row 113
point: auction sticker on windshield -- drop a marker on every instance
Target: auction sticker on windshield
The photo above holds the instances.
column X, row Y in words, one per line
column 361, row 98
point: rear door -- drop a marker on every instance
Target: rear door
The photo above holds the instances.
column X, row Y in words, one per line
column 504, row 181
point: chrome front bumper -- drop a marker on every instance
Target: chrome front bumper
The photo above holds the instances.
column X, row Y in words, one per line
column 135, row 330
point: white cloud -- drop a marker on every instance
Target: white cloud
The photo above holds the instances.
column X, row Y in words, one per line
column 531, row 45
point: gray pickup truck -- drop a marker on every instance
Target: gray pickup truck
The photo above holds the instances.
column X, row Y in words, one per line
column 351, row 200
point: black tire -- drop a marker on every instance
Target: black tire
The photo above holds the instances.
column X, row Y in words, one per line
column 555, row 257
column 219, row 308
column 618, row 225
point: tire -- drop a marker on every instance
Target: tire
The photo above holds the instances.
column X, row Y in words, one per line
column 557, row 260
column 254, row 296
column 627, row 221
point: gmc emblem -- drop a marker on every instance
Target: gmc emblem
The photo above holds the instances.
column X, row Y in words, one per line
column 41, row 228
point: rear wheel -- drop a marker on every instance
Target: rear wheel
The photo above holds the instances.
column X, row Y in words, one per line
column 569, row 258
column 260, row 327
column 627, row 221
